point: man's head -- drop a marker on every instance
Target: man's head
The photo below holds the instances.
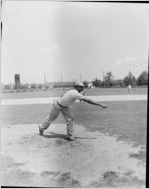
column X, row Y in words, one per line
column 79, row 86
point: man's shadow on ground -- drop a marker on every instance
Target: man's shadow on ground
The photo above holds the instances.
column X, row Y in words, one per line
column 62, row 136
column 54, row 135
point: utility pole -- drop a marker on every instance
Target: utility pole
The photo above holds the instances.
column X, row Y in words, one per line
column 103, row 78
column 103, row 75
column 80, row 78
column 61, row 78
column 44, row 80
column 1, row 22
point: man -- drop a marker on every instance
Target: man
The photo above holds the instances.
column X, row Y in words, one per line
column 129, row 89
column 62, row 105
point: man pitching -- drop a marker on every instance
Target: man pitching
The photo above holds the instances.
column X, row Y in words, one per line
column 62, row 105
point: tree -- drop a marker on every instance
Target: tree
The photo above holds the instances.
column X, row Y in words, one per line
column 129, row 79
column 46, row 87
column 118, row 83
column 7, row 87
column 33, row 86
column 143, row 78
column 108, row 79
column 39, row 86
column 85, row 83
column 97, row 83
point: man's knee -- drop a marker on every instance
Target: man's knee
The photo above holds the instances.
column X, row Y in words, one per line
column 69, row 121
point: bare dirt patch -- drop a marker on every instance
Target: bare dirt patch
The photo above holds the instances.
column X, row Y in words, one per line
column 92, row 160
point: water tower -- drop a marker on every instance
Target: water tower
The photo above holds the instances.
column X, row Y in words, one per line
column 17, row 81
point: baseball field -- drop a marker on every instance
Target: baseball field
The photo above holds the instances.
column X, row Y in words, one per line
column 109, row 150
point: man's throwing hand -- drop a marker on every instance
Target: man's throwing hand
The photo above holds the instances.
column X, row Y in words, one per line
column 104, row 107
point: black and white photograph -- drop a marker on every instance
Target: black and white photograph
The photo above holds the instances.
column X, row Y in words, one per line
column 74, row 94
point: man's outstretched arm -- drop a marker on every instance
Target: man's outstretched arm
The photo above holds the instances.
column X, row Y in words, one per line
column 85, row 99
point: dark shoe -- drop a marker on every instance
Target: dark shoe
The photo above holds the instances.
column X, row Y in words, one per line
column 40, row 130
column 71, row 138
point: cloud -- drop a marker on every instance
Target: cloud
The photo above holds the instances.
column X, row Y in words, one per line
column 126, row 59
column 130, row 63
column 49, row 48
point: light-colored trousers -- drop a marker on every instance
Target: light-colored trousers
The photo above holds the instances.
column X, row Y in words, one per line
column 54, row 112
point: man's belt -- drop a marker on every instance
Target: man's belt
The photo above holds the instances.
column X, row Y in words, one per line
column 61, row 105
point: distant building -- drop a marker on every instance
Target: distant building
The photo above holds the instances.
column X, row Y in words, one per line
column 90, row 85
column 17, row 81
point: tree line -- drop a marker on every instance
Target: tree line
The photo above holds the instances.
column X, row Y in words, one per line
column 108, row 81
column 129, row 79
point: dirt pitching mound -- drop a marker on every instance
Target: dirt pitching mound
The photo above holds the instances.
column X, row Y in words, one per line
column 92, row 160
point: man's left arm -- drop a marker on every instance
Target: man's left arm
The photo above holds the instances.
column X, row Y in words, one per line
column 85, row 99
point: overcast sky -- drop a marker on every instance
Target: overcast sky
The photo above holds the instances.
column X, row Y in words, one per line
column 65, row 40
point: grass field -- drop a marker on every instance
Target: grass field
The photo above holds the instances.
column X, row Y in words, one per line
column 58, row 92
column 127, row 121
column 124, row 119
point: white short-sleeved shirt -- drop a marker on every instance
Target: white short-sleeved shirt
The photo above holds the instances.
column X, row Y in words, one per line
column 69, row 97
column 129, row 86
